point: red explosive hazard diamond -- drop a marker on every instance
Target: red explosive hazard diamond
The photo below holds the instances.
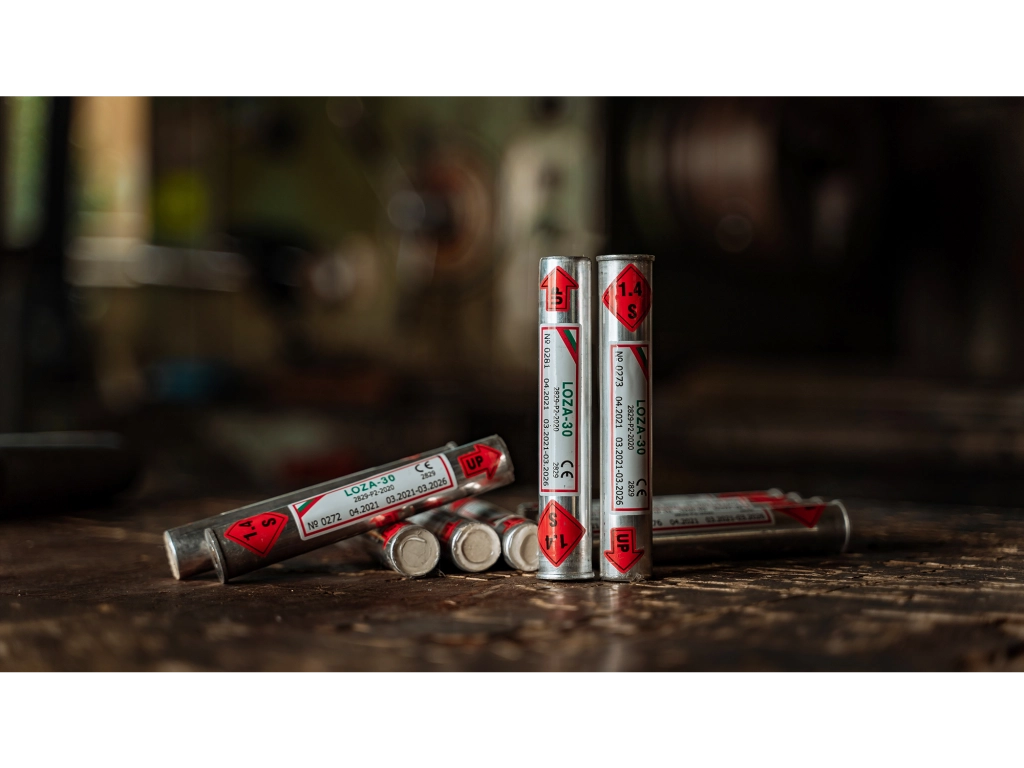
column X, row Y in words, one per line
column 808, row 514
column 258, row 534
column 558, row 533
column 629, row 297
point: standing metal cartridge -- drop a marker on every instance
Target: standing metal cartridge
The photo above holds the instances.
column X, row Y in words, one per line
column 518, row 535
column 355, row 504
column 405, row 548
column 467, row 544
column 626, row 445
column 565, row 322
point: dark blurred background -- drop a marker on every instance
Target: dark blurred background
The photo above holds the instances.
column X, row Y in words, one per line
column 262, row 293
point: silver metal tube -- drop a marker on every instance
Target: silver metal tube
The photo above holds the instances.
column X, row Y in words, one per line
column 406, row 548
column 625, row 328
column 467, row 544
column 565, row 314
column 692, row 533
column 518, row 535
column 755, row 524
column 185, row 545
column 529, row 509
column 357, row 504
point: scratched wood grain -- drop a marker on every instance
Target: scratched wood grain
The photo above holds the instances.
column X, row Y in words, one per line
column 923, row 588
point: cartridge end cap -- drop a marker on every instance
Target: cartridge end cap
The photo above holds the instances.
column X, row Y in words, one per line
column 416, row 552
column 521, row 550
column 216, row 555
column 172, row 555
column 847, row 526
column 476, row 547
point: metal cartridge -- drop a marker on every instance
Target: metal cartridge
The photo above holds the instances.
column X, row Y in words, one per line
column 529, row 509
column 408, row 549
column 752, row 524
column 624, row 339
column 518, row 535
column 565, row 314
column 467, row 544
column 739, row 527
column 186, row 547
column 355, row 504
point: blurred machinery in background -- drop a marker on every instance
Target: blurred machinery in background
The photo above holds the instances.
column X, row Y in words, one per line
column 304, row 231
column 347, row 277
column 880, row 231
column 846, row 276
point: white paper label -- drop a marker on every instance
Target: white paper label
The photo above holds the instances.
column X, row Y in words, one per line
column 373, row 496
column 630, row 433
column 708, row 512
column 559, row 408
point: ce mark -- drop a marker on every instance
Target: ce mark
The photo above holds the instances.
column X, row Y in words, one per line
column 426, row 467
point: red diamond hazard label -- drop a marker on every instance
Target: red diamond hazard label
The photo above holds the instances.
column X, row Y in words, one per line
column 558, row 533
column 628, row 297
column 808, row 514
column 259, row 533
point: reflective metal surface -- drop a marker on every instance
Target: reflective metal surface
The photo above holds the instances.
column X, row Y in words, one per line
column 625, row 366
column 476, row 467
column 565, row 315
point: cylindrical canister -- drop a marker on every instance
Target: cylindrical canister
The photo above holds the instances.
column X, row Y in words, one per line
column 717, row 528
column 359, row 503
column 186, row 547
column 466, row 544
column 565, row 315
column 405, row 548
column 754, row 524
column 624, row 339
column 518, row 535
column 529, row 509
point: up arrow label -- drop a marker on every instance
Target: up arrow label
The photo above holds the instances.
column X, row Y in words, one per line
column 481, row 459
column 556, row 285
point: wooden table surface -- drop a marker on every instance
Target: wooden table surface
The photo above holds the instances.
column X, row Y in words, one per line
column 922, row 588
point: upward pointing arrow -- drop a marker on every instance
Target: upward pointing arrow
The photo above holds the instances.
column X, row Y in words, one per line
column 557, row 284
column 481, row 459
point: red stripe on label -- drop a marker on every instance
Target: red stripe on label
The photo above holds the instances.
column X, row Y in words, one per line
column 448, row 530
column 391, row 530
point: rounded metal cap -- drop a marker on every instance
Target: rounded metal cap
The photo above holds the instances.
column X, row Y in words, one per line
column 475, row 547
column 520, row 547
column 415, row 551
column 172, row 555
column 848, row 528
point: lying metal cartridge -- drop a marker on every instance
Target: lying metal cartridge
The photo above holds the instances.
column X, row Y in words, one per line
column 749, row 524
column 406, row 548
column 241, row 542
column 518, row 535
column 467, row 544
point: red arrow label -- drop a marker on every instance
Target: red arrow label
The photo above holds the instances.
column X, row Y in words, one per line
column 557, row 284
column 623, row 554
column 482, row 458
column 259, row 533
column 628, row 297
column 808, row 514
column 558, row 533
